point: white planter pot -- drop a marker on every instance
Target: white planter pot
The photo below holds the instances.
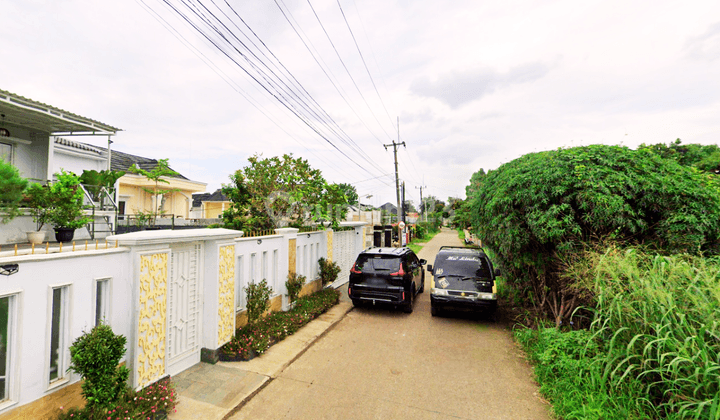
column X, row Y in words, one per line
column 36, row 237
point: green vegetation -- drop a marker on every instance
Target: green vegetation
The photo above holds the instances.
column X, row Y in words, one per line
column 96, row 355
column 461, row 233
column 652, row 349
column 12, row 186
column 256, row 337
column 258, row 299
column 275, row 192
column 539, row 210
column 329, row 271
column 67, row 202
column 294, row 285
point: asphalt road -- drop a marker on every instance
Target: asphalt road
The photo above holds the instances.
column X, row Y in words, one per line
column 380, row 363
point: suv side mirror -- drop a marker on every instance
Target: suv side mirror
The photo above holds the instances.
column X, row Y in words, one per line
column 423, row 261
column 497, row 272
column 429, row 268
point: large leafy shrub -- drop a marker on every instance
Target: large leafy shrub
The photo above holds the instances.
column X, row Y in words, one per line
column 329, row 271
column 541, row 208
column 96, row 355
column 294, row 285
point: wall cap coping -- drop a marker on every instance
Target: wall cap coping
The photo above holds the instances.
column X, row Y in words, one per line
column 253, row 238
column 55, row 255
column 353, row 224
column 152, row 237
column 286, row 231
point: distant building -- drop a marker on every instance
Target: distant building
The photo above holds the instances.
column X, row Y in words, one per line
column 209, row 205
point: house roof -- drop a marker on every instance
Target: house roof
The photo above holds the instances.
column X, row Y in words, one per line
column 119, row 161
column 389, row 207
column 199, row 198
column 24, row 112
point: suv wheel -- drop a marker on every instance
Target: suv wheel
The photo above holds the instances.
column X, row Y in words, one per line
column 434, row 311
column 357, row 302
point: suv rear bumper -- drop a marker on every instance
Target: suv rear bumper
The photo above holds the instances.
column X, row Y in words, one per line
column 462, row 304
column 390, row 294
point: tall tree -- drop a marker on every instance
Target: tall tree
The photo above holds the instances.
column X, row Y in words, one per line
column 280, row 191
column 350, row 192
column 12, row 186
column 156, row 175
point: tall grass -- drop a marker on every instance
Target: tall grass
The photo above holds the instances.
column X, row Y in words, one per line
column 653, row 348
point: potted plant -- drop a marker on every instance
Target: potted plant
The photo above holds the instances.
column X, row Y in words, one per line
column 66, row 212
column 37, row 199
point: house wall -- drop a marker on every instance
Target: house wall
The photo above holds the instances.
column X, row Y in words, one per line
column 30, row 159
column 31, row 290
column 214, row 209
column 76, row 160
column 177, row 202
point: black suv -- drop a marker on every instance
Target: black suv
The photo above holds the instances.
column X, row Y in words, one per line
column 463, row 279
column 387, row 275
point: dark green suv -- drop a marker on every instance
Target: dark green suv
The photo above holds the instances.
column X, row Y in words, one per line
column 463, row 280
column 387, row 275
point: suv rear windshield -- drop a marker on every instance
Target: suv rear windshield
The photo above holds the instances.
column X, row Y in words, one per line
column 462, row 265
column 373, row 263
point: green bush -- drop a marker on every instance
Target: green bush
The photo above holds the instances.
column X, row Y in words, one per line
column 67, row 200
column 294, row 285
column 541, row 208
column 329, row 271
column 95, row 356
column 12, row 186
column 259, row 336
column 652, row 350
column 152, row 402
column 258, row 299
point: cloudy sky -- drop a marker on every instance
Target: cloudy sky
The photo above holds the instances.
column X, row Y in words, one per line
column 474, row 84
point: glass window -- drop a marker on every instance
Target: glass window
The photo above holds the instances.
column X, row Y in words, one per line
column 6, row 152
column 102, row 301
column 372, row 263
column 6, row 340
column 58, row 333
column 464, row 265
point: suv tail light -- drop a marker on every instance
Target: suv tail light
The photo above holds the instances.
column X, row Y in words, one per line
column 399, row 272
column 354, row 269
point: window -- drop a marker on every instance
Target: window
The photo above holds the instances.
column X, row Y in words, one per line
column 275, row 269
column 121, row 210
column 102, row 301
column 7, row 336
column 6, row 152
column 253, row 263
column 58, row 332
column 240, row 270
column 265, row 267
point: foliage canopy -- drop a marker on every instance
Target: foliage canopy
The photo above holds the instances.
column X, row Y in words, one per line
column 535, row 211
column 279, row 191
column 12, row 186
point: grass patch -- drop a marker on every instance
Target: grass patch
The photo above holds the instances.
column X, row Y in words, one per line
column 415, row 242
column 256, row 337
column 461, row 233
column 652, row 350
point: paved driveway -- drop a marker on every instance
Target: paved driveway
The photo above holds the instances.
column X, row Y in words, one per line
column 380, row 363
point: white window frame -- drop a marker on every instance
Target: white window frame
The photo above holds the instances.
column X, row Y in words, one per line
column 64, row 335
column 12, row 388
column 106, row 300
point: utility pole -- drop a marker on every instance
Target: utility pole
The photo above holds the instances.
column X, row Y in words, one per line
column 397, row 178
column 422, row 205
column 403, row 202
